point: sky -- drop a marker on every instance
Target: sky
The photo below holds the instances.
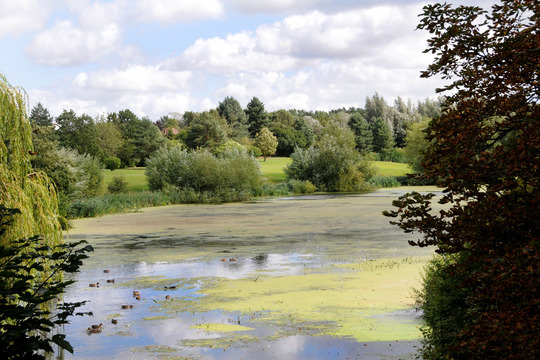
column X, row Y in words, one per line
column 157, row 57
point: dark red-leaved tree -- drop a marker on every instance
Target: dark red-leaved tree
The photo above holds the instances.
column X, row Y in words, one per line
column 485, row 153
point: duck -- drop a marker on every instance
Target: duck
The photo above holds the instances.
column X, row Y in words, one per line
column 110, row 281
column 127, row 306
column 114, row 321
column 94, row 285
column 168, row 297
column 95, row 329
column 106, row 271
column 136, row 293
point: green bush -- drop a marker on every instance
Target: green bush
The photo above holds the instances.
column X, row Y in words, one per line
column 230, row 176
column 29, row 288
column 444, row 309
column 112, row 163
column 117, row 185
column 115, row 203
column 386, row 181
column 301, row 187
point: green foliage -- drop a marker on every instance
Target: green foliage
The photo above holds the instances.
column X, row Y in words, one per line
column 207, row 130
column 229, row 176
column 117, row 185
column 40, row 116
column 380, row 181
column 362, row 132
column 20, row 187
column 228, row 146
column 86, row 171
column 78, row 132
column 266, row 142
column 230, row 110
column 416, row 145
column 382, row 136
column 333, row 164
column 115, row 203
column 256, row 116
column 27, row 325
column 112, row 163
column 111, row 140
column 443, row 302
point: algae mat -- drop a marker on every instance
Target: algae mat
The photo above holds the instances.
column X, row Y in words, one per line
column 315, row 277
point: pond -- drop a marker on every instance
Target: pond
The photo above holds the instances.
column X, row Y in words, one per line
column 313, row 277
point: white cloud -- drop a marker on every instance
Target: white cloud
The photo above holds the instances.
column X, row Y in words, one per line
column 171, row 11
column 67, row 45
column 232, row 53
column 135, row 78
column 265, row 6
column 22, row 15
column 96, row 14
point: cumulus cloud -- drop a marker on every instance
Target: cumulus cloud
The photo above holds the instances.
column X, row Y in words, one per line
column 234, row 52
column 265, row 6
column 135, row 78
column 66, row 45
column 375, row 34
column 22, row 15
column 170, row 11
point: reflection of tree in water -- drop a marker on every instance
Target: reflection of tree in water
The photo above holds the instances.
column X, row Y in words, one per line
column 260, row 259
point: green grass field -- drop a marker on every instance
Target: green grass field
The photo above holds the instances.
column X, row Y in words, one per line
column 135, row 177
column 272, row 170
column 387, row 168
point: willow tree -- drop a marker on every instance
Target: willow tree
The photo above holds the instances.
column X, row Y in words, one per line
column 33, row 193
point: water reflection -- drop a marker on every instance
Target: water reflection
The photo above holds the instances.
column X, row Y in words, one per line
column 187, row 246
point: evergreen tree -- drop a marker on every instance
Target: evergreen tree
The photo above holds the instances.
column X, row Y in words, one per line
column 362, row 132
column 256, row 116
column 382, row 136
column 40, row 116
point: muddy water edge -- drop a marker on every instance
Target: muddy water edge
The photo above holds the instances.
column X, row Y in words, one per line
column 312, row 277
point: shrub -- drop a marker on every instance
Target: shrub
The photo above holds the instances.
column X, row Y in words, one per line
column 112, row 163
column 386, row 181
column 301, row 187
column 231, row 176
column 118, row 184
column 26, row 296
column 443, row 302
column 115, row 203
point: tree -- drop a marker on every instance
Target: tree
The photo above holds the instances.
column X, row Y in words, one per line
column 111, row 139
column 40, row 116
column 383, row 140
column 146, row 139
column 484, row 152
column 206, row 131
column 78, row 132
column 416, row 145
column 362, row 132
column 256, row 116
column 29, row 264
column 332, row 164
column 267, row 142
column 230, row 110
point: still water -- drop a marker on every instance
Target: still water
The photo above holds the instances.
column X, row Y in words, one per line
column 318, row 277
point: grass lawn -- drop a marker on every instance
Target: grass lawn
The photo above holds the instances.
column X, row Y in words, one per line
column 272, row 170
column 136, row 180
column 387, row 168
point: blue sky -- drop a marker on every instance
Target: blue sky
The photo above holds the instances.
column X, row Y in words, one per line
column 157, row 57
